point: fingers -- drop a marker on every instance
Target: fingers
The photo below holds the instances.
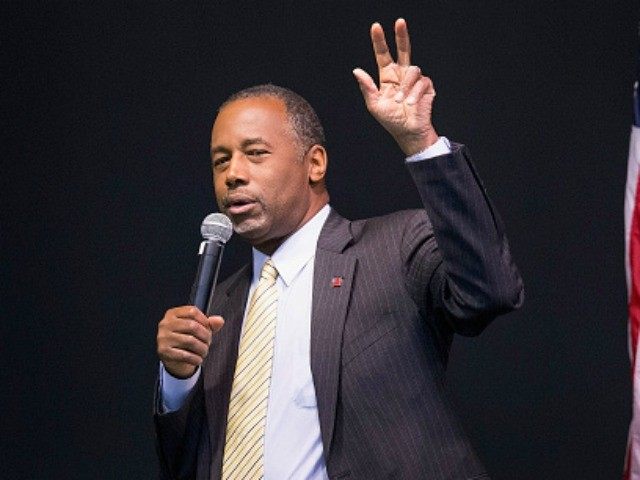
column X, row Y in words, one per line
column 414, row 90
column 190, row 312
column 182, row 337
column 180, row 362
column 423, row 87
column 189, row 343
column 403, row 45
column 367, row 85
column 412, row 76
column 215, row 323
column 191, row 327
column 380, row 47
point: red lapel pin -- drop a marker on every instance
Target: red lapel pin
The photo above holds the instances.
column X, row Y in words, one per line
column 336, row 282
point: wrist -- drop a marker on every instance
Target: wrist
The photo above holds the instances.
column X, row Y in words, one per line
column 412, row 144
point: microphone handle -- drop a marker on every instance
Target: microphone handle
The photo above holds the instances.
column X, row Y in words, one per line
column 208, row 266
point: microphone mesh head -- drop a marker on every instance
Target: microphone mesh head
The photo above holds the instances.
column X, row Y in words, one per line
column 216, row 226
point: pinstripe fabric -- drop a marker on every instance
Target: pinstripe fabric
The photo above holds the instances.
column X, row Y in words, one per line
column 244, row 445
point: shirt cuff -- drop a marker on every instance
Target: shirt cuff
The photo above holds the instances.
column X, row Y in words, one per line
column 173, row 391
column 441, row 147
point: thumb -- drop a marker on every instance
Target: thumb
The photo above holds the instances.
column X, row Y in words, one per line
column 216, row 322
column 367, row 85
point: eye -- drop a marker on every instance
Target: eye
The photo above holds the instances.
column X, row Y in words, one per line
column 256, row 152
column 220, row 161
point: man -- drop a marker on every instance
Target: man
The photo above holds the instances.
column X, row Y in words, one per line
column 326, row 356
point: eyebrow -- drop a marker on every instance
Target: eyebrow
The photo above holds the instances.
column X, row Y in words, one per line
column 245, row 143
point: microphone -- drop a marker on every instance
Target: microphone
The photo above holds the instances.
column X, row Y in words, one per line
column 216, row 229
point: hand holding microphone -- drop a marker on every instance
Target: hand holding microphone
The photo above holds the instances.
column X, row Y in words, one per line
column 184, row 333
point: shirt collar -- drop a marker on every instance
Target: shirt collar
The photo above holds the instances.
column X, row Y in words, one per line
column 296, row 250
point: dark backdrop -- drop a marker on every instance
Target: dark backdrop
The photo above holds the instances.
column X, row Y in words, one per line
column 106, row 110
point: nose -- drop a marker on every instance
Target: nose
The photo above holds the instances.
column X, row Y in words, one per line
column 236, row 171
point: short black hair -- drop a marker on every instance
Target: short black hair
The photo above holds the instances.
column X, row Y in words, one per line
column 302, row 117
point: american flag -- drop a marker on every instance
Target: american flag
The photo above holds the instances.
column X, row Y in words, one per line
column 632, row 263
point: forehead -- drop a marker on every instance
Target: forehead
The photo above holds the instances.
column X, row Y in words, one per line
column 254, row 117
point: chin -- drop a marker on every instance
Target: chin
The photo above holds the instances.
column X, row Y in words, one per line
column 250, row 229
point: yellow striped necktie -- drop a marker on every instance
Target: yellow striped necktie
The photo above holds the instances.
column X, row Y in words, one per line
column 247, row 418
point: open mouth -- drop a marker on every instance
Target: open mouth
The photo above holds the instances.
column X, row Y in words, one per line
column 237, row 206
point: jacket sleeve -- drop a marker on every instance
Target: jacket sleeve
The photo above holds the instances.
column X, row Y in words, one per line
column 476, row 279
column 178, row 434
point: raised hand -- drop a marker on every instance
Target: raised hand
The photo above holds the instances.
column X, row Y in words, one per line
column 403, row 102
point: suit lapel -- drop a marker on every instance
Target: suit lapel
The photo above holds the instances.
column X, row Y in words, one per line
column 333, row 277
column 221, row 360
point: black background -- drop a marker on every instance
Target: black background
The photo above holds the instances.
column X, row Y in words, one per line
column 106, row 110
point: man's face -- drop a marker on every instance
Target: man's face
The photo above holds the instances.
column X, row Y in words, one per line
column 260, row 177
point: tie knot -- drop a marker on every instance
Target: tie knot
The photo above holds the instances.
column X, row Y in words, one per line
column 269, row 272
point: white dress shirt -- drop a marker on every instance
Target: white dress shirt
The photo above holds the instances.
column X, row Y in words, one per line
column 293, row 445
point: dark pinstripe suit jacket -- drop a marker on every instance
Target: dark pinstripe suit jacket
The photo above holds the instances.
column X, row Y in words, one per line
column 379, row 342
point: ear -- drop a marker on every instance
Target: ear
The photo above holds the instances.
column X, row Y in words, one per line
column 318, row 160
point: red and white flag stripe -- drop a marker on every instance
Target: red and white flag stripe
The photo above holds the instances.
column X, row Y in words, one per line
column 632, row 264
